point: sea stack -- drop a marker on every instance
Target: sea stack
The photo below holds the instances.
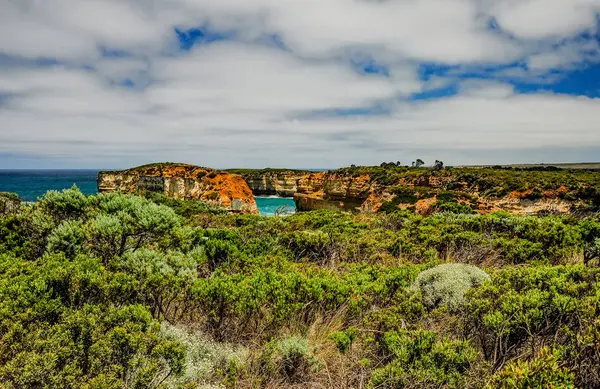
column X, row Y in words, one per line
column 183, row 181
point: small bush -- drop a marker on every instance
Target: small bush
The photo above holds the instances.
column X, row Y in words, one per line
column 68, row 204
column 67, row 238
column 447, row 284
column 205, row 360
column 313, row 245
column 344, row 339
column 405, row 196
column 9, row 202
column 290, row 358
column 543, row 371
column 421, row 360
column 452, row 207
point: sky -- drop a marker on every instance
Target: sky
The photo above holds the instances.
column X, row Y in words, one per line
column 298, row 83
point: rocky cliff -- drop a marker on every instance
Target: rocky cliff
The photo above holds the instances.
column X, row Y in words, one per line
column 424, row 191
column 183, row 181
column 331, row 190
column 272, row 182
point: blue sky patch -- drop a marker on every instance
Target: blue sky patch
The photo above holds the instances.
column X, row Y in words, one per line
column 191, row 37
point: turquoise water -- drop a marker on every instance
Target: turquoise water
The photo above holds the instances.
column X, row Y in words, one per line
column 31, row 184
column 268, row 206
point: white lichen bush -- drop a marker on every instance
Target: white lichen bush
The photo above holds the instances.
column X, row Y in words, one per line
column 204, row 358
column 289, row 358
column 292, row 347
column 446, row 285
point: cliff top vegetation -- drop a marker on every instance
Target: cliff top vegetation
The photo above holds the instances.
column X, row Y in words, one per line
column 121, row 291
column 266, row 171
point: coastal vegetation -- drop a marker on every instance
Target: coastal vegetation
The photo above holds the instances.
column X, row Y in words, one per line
column 126, row 291
column 391, row 186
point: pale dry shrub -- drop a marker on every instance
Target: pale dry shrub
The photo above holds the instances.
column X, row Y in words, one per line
column 446, row 285
column 205, row 358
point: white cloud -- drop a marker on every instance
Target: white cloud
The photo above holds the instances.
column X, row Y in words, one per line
column 542, row 19
column 242, row 103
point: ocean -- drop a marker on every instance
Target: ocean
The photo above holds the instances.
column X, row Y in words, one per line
column 31, row 184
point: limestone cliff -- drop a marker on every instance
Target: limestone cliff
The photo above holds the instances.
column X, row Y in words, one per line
column 426, row 190
column 329, row 190
column 183, row 181
column 272, row 182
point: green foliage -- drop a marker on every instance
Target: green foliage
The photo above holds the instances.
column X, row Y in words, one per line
column 420, row 360
column 405, row 196
column 128, row 223
column 446, row 285
column 312, row 245
column 344, row 339
column 543, row 372
column 546, row 305
column 88, row 285
column 183, row 207
column 67, row 238
column 452, row 207
column 218, row 252
column 68, row 204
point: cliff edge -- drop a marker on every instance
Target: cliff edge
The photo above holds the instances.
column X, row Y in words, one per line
column 183, row 181
column 272, row 182
column 478, row 190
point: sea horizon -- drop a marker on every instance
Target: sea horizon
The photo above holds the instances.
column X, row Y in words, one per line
column 31, row 184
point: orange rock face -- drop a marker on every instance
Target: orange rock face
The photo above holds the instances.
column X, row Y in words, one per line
column 333, row 190
column 182, row 181
column 280, row 183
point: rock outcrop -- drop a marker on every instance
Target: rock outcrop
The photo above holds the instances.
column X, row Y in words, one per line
column 273, row 182
column 182, row 181
column 328, row 190
column 425, row 190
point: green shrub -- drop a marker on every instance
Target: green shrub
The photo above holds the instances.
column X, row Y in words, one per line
column 218, row 252
column 446, row 285
column 420, row 360
column 127, row 223
column 163, row 279
column 68, row 204
column 543, row 372
column 312, row 245
column 344, row 339
column 452, row 207
column 522, row 308
column 405, row 196
column 68, row 238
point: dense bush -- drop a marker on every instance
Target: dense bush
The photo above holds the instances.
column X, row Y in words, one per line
column 116, row 291
column 522, row 309
column 543, row 371
column 420, row 360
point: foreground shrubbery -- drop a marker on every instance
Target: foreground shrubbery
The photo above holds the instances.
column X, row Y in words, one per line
column 116, row 291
